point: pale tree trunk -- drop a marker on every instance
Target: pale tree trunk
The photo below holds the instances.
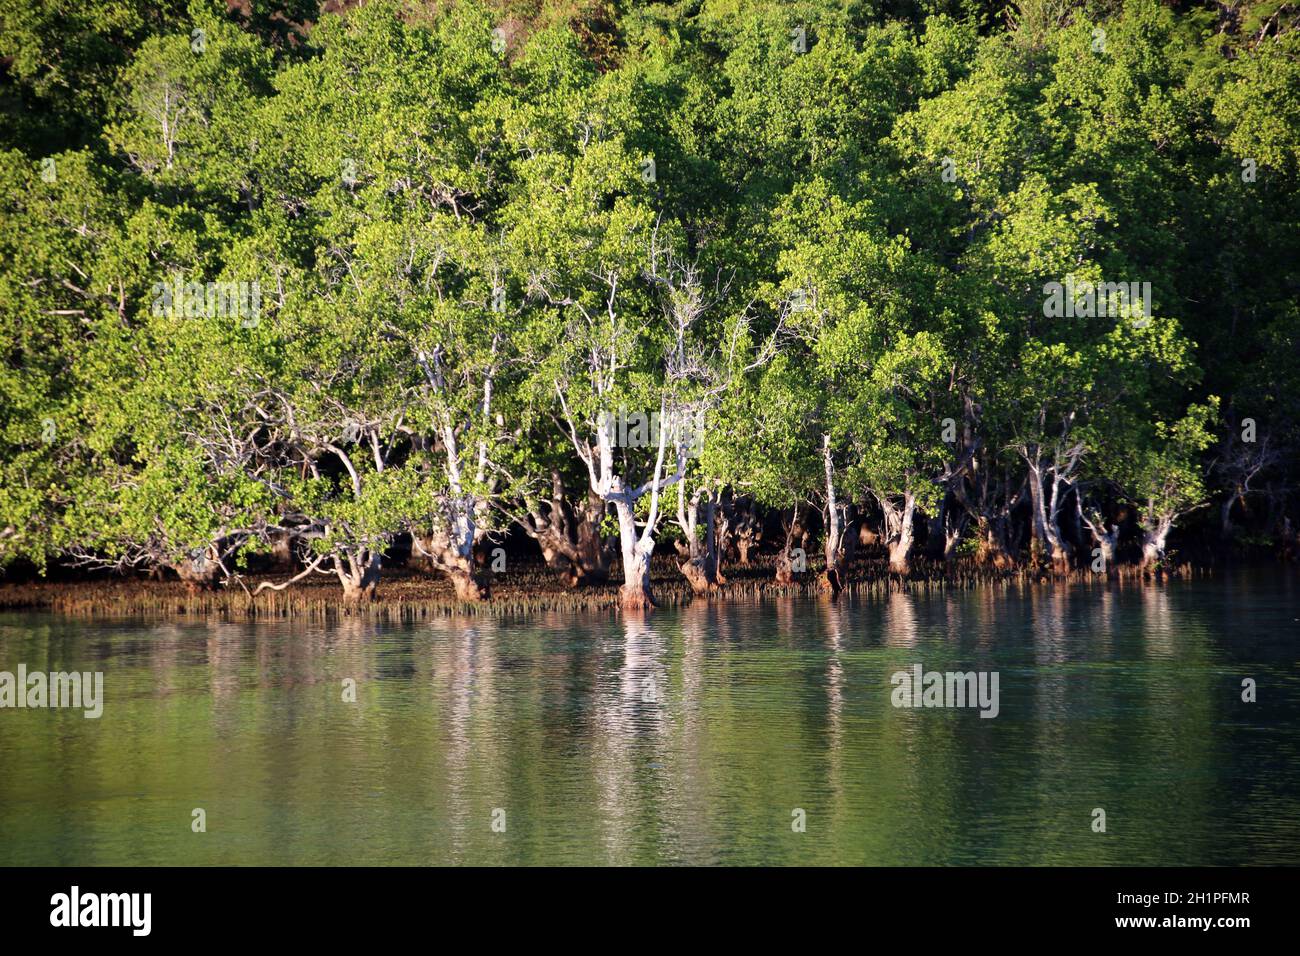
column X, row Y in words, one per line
column 458, row 559
column 1226, row 527
column 1105, row 540
column 358, row 572
column 636, row 550
column 461, row 508
column 1155, row 531
column 1046, row 514
column 900, row 549
column 701, row 565
column 451, row 551
column 899, row 532
column 835, row 524
column 469, row 586
column 684, row 303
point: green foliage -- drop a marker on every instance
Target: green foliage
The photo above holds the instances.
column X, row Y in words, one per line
column 821, row 225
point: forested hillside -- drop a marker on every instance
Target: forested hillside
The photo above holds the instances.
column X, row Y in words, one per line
column 1014, row 285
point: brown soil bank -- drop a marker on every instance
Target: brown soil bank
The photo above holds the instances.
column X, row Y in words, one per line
column 406, row 594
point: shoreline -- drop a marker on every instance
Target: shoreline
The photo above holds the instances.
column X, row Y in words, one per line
column 411, row 594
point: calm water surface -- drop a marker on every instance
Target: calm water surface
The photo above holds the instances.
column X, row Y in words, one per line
column 688, row 737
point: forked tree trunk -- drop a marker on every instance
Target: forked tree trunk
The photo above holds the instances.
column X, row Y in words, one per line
column 636, row 549
column 1105, row 540
column 992, row 506
column 359, row 575
column 454, row 557
column 460, row 507
column 899, row 532
column 1226, row 528
column 803, row 531
column 1154, row 536
column 1047, row 530
column 900, row 548
column 701, row 574
column 570, row 537
column 952, row 536
column 701, row 565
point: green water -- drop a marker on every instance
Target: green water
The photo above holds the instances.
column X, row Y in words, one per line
column 688, row 737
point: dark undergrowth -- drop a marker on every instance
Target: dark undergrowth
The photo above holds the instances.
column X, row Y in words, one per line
column 407, row 593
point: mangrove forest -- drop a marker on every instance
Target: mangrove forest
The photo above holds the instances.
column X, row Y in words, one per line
column 809, row 291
